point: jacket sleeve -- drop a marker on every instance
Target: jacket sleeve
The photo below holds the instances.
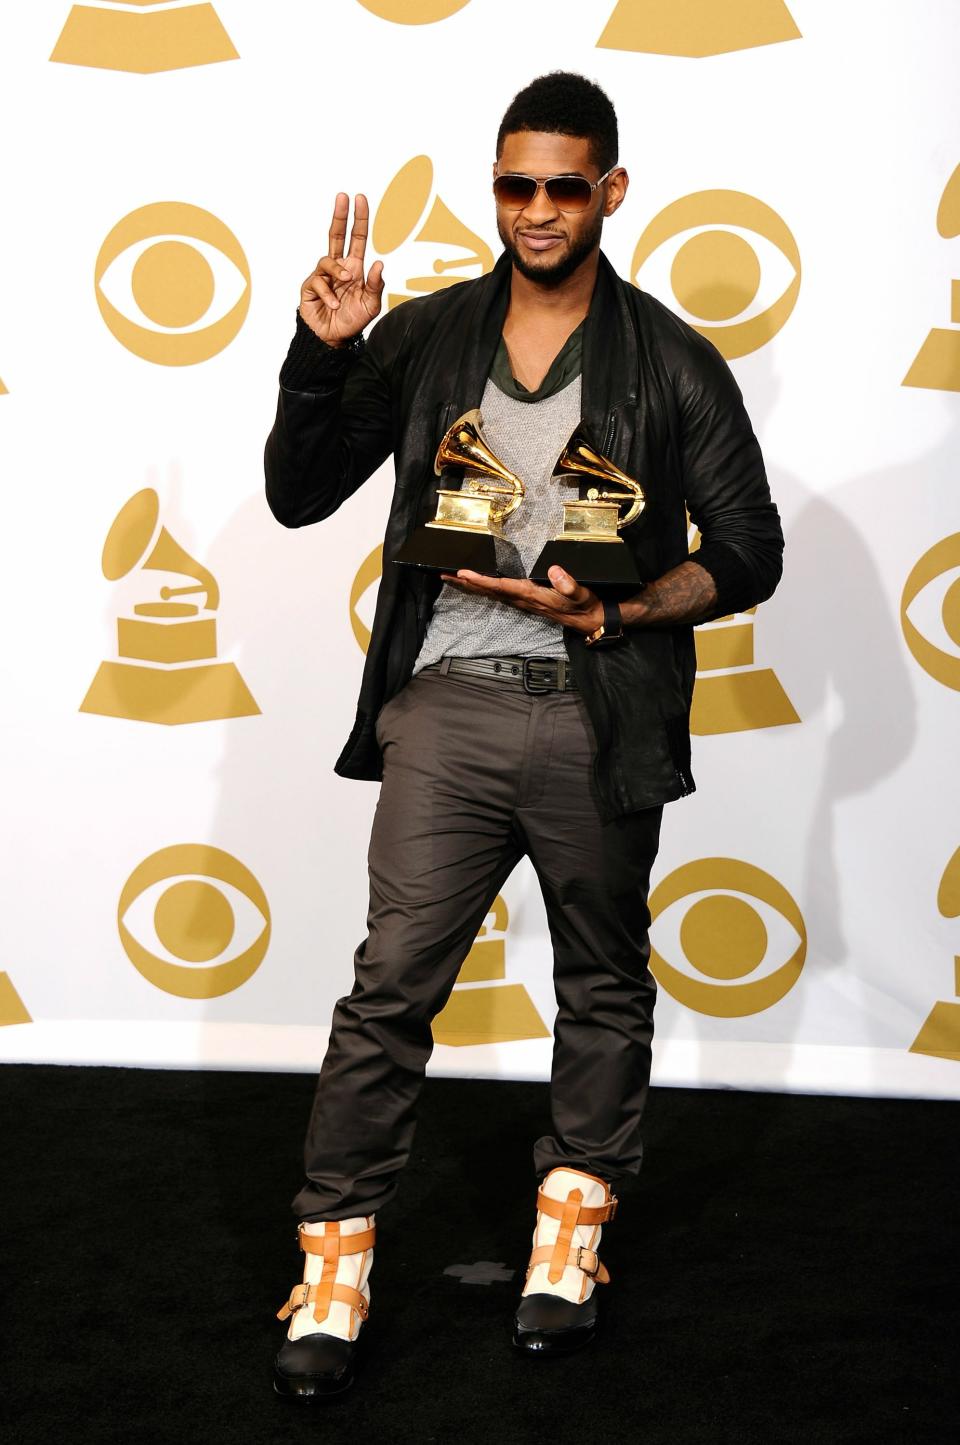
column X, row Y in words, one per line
column 333, row 426
column 725, row 483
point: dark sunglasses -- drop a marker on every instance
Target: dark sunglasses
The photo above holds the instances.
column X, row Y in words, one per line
column 567, row 193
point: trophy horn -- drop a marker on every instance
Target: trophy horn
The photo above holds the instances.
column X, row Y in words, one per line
column 580, row 458
column 464, row 446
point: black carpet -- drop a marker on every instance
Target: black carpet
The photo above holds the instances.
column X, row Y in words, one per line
column 785, row 1270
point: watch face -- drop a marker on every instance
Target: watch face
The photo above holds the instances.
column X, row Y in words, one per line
column 606, row 636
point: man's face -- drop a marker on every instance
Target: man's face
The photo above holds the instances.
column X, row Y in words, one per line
column 547, row 244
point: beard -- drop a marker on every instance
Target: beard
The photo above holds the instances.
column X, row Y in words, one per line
column 554, row 275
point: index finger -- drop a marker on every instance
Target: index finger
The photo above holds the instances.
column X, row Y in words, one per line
column 511, row 586
column 338, row 226
column 361, row 222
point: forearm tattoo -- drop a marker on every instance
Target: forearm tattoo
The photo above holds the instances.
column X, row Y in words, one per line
column 686, row 594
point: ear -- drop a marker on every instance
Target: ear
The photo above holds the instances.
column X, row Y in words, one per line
column 616, row 190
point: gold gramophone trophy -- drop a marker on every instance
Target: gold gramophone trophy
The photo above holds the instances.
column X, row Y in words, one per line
column 589, row 547
column 467, row 530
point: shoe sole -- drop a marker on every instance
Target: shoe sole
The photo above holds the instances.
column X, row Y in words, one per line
column 309, row 1396
column 554, row 1350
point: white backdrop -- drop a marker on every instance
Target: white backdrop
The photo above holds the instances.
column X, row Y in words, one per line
column 826, row 761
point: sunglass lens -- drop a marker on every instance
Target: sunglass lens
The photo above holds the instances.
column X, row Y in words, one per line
column 514, row 192
column 569, row 193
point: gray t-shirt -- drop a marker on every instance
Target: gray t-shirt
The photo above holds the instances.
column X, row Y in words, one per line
column 528, row 436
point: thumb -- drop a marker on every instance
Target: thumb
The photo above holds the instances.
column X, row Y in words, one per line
column 563, row 582
column 375, row 278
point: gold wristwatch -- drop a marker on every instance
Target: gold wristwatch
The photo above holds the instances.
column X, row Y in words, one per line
column 611, row 629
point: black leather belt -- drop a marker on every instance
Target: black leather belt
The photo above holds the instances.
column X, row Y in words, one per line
column 534, row 674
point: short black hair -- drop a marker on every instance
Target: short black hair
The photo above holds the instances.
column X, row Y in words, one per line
column 564, row 103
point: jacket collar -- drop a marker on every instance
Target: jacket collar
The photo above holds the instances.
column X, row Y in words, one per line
column 610, row 353
column 478, row 335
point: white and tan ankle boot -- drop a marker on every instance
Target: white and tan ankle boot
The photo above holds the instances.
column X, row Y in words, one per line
column 326, row 1311
column 557, row 1312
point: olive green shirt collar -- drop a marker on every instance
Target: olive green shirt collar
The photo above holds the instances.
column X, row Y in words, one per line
column 566, row 365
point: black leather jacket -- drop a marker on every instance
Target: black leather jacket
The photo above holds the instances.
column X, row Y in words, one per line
column 658, row 399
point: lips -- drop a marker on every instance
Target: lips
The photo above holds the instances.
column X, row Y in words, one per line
column 540, row 240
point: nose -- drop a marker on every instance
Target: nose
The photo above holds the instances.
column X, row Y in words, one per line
column 541, row 209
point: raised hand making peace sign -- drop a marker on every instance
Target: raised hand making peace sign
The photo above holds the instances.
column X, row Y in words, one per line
column 336, row 301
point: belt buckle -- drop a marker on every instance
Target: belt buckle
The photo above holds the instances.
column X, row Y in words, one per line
column 535, row 684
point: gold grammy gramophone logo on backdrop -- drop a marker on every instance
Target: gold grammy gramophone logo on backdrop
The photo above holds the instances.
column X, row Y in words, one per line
column 405, row 214
column 725, row 938
column 3, row 389
column 199, row 901
column 940, row 564
column 13, row 1010
column 168, row 672
column 937, row 364
column 413, row 12
column 731, row 693
column 483, row 1008
column 716, row 273
column 172, row 261
column 697, row 28
column 143, row 36
column 940, row 1034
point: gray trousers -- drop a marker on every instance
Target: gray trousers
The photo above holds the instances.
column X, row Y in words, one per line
column 477, row 774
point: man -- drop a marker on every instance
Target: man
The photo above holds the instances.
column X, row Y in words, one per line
column 484, row 755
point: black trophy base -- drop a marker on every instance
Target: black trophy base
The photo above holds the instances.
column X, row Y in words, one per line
column 446, row 549
column 592, row 563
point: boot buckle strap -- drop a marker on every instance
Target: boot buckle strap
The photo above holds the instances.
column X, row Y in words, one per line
column 578, row 1257
column 297, row 1300
column 587, row 1214
column 321, row 1296
column 588, row 1261
column 332, row 1244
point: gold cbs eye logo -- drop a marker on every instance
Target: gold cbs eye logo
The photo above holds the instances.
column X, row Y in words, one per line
column 941, row 564
column 413, row 12
column 363, row 595
column 715, row 274
column 207, row 905
column 726, row 939
column 173, row 262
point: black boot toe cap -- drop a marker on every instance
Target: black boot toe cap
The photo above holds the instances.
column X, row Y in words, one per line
column 548, row 1325
column 314, row 1367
